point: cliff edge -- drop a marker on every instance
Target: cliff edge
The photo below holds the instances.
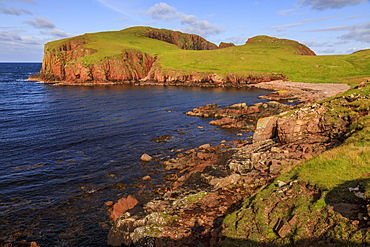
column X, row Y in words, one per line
column 149, row 55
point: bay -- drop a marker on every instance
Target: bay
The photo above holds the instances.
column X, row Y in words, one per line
column 66, row 150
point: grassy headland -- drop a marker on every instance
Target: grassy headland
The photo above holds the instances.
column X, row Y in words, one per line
column 261, row 55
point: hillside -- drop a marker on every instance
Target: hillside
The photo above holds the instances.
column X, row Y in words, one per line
column 164, row 56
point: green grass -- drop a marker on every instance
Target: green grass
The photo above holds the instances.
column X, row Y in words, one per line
column 262, row 56
column 316, row 185
column 351, row 160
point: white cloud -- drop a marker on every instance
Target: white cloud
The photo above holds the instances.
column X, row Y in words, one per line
column 237, row 40
column 22, row 1
column 30, row 40
column 330, row 4
column 316, row 44
column 359, row 33
column 320, row 18
column 165, row 12
column 330, row 29
column 9, row 36
column 285, row 11
column 354, row 49
column 57, row 33
column 41, row 23
column 14, row 11
column 327, row 51
column 282, row 28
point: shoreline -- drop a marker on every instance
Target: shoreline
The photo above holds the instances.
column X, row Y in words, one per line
column 301, row 91
column 209, row 182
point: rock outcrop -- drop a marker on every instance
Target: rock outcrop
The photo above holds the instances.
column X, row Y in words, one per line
column 297, row 48
column 64, row 64
column 182, row 40
column 225, row 45
column 239, row 116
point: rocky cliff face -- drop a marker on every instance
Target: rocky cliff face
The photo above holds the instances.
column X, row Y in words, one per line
column 67, row 61
column 182, row 40
column 64, row 64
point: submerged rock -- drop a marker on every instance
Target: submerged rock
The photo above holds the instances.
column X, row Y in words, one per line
column 146, row 157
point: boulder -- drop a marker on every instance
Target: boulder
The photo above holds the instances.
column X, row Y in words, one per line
column 146, row 157
column 265, row 129
column 122, row 206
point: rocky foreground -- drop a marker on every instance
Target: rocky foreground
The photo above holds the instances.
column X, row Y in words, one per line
column 211, row 182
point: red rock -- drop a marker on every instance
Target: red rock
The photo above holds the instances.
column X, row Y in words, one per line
column 122, row 206
column 266, row 129
column 146, row 157
column 109, row 203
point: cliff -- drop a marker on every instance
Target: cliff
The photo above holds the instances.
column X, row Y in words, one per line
column 182, row 40
column 149, row 55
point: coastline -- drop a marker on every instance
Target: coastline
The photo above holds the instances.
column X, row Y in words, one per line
column 210, row 182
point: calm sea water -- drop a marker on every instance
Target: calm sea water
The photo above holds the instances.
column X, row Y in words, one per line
column 65, row 150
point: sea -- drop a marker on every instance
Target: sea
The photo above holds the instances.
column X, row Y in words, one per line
column 66, row 150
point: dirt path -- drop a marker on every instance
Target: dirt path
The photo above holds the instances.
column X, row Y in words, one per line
column 307, row 92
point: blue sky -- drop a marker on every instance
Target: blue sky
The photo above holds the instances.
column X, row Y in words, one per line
column 326, row 26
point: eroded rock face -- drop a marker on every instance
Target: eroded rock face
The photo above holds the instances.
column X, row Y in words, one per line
column 65, row 63
column 225, row 45
column 240, row 116
column 313, row 123
column 182, row 40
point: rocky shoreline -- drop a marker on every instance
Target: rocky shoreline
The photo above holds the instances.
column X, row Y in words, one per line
column 210, row 182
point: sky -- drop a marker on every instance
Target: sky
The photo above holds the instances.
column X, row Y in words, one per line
column 328, row 27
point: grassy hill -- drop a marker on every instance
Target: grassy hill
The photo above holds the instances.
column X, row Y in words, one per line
column 259, row 56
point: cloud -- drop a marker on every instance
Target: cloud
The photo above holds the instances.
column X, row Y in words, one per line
column 30, row 40
column 14, row 11
column 41, row 23
column 9, row 36
column 354, row 49
column 165, row 12
column 24, row 1
column 320, row 18
column 285, row 11
column 359, row 33
column 57, row 33
column 327, row 51
column 316, row 44
column 330, row 29
column 284, row 27
column 237, row 40
column 12, row 38
column 330, row 4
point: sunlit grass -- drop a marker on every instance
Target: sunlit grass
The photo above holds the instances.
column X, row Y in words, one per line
column 263, row 56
